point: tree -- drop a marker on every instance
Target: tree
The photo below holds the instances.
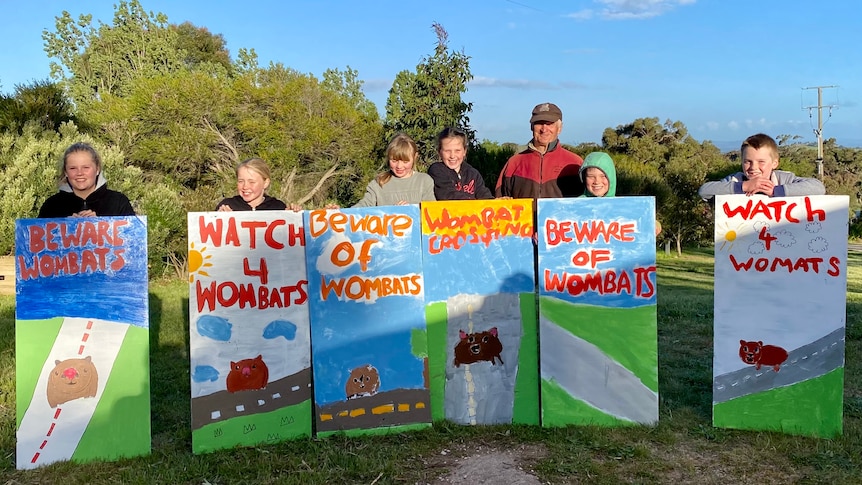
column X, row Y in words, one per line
column 202, row 47
column 347, row 84
column 93, row 62
column 489, row 158
column 424, row 102
column 41, row 103
column 665, row 161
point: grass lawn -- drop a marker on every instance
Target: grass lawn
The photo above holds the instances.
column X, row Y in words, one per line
column 682, row 448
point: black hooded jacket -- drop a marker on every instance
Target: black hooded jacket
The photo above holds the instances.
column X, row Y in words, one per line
column 103, row 201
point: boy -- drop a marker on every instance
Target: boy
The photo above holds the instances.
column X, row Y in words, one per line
column 759, row 155
column 600, row 178
column 599, row 175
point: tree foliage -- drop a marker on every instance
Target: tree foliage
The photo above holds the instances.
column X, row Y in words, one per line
column 201, row 47
column 41, row 103
column 665, row 161
column 96, row 61
column 172, row 115
column 423, row 102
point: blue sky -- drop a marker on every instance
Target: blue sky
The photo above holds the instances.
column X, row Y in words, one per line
column 725, row 68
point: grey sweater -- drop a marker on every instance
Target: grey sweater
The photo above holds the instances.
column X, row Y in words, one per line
column 413, row 189
column 787, row 184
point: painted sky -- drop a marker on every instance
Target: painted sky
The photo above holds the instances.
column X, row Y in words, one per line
column 277, row 328
column 115, row 290
column 726, row 69
column 788, row 309
column 503, row 265
column 376, row 331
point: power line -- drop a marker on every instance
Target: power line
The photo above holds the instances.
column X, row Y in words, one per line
column 819, row 130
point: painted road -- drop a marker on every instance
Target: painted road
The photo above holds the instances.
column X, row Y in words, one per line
column 222, row 405
column 588, row 374
column 807, row 362
column 50, row 434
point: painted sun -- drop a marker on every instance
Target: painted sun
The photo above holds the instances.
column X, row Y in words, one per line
column 730, row 236
column 198, row 262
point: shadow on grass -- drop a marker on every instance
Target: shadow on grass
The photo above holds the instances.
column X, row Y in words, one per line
column 7, row 329
column 170, row 388
column 685, row 340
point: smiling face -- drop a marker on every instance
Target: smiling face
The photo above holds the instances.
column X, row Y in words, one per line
column 81, row 172
column 251, row 185
column 759, row 162
column 452, row 152
column 596, row 181
column 401, row 168
column 545, row 132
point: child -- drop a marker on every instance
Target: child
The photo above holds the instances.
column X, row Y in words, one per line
column 454, row 179
column 599, row 175
column 600, row 178
column 759, row 155
column 83, row 189
column 252, row 180
column 401, row 184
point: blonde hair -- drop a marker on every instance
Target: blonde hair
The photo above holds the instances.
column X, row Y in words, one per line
column 257, row 165
column 402, row 147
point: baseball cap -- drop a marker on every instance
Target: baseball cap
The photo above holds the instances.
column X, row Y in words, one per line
column 546, row 112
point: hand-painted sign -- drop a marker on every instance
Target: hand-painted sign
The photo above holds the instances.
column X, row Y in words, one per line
column 597, row 311
column 780, row 289
column 481, row 311
column 366, row 296
column 249, row 330
column 81, row 339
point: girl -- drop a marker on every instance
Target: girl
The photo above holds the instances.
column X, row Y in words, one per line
column 454, row 179
column 401, row 184
column 252, row 180
column 83, row 189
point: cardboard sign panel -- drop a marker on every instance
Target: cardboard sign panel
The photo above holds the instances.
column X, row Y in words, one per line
column 249, row 330
column 481, row 310
column 81, row 339
column 366, row 296
column 597, row 311
column 780, row 294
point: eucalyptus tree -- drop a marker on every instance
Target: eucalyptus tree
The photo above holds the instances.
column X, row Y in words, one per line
column 93, row 61
column 423, row 102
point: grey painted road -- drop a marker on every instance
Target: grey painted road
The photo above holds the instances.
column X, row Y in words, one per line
column 586, row 373
column 807, row 362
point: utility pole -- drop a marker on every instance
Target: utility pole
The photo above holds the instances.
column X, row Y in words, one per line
column 819, row 130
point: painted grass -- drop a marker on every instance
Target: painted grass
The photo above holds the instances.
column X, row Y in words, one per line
column 289, row 422
column 627, row 335
column 778, row 409
column 30, row 344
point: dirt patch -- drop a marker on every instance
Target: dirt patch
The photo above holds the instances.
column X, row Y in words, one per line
column 479, row 464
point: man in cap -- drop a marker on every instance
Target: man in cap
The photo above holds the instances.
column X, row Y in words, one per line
column 544, row 169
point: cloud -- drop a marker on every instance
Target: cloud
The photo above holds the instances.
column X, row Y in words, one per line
column 629, row 9
column 756, row 123
column 490, row 82
column 712, row 125
column 509, row 83
column 733, row 125
column 585, row 14
column 372, row 85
